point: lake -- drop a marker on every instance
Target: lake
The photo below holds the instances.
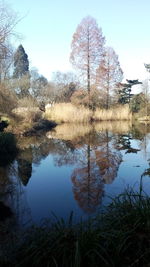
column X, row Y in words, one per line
column 75, row 168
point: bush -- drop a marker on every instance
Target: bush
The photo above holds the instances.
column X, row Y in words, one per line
column 8, row 99
column 27, row 114
column 28, row 102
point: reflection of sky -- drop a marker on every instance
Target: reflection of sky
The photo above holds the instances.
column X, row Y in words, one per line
column 50, row 190
column 130, row 171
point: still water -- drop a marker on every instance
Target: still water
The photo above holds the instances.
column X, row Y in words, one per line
column 75, row 168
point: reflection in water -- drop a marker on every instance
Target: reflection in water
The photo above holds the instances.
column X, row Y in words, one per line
column 93, row 152
column 124, row 143
column 10, row 192
column 100, row 167
column 24, row 160
column 87, row 183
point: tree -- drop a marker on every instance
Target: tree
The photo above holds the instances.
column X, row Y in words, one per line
column 6, row 62
column 87, row 50
column 21, row 72
column 80, row 97
column 8, row 21
column 137, row 102
column 21, row 86
column 124, row 91
column 66, row 84
column 21, row 63
column 38, row 83
column 109, row 74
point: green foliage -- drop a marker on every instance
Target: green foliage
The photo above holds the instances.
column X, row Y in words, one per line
column 8, row 148
column 21, row 63
column 125, row 95
column 21, row 74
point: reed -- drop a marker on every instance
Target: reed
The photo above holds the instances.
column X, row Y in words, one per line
column 114, row 114
column 67, row 112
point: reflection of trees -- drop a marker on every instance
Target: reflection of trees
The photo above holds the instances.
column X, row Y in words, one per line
column 24, row 170
column 6, row 186
column 124, row 143
column 108, row 160
column 63, row 152
column 12, row 195
column 66, row 153
column 25, row 165
column 147, row 171
column 9, row 189
column 87, row 185
column 99, row 166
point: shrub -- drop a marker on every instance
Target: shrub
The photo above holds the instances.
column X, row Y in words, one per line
column 28, row 102
column 8, row 99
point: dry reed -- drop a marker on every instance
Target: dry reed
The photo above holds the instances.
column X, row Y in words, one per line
column 118, row 113
column 66, row 112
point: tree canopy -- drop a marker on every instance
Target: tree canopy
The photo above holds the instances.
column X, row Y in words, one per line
column 87, row 49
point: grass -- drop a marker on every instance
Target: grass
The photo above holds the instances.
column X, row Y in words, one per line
column 118, row 236
column 67, row 112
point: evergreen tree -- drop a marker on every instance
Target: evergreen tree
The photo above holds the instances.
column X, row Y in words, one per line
column 21, row 63
column 125, row 95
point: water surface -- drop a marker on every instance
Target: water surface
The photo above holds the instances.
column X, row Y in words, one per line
column 75, row 168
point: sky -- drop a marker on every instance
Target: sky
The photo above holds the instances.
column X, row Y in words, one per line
column 47, row 27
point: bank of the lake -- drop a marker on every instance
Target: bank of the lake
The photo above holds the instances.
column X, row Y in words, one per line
column 118, row 236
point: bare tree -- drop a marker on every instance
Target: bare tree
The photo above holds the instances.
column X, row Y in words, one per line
column 8, row 21
column 109, row 74
column 66, row 84
column 87, row 49
column 6, row 62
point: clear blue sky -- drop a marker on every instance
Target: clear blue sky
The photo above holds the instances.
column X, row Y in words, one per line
column 48, row 26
